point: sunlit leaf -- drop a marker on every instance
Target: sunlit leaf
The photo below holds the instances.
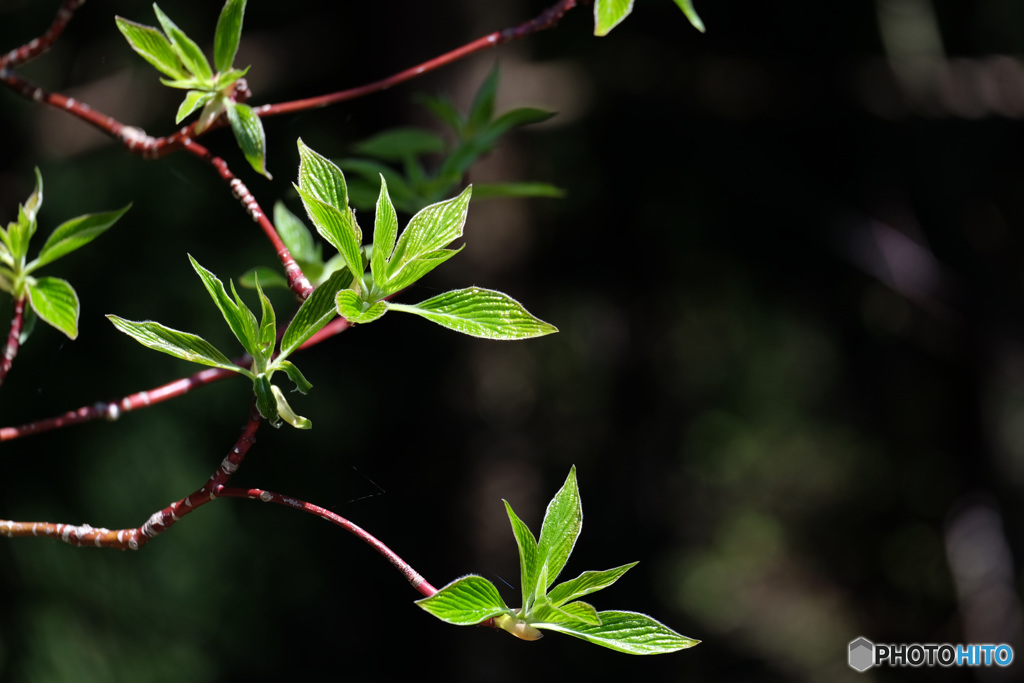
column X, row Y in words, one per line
column 229, row 29
column 153, row 46
column 609, row 13
column 629, row 632
column 465, row 601
column 480, row 313
column 56, row 303
column 74, row 234
column 175, row 343
column 248, row 130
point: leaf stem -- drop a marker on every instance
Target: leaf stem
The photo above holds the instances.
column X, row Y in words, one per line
column 410, row 574
column 13, row 339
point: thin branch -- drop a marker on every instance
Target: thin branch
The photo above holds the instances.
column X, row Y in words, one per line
column 547, row 19
column 410, row 574
column 143, row 399
column 38, row 46
column 13, row 339
column 132, row 539
column 297, row 280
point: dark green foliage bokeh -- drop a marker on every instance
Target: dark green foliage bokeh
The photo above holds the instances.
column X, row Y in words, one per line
column 774, row 403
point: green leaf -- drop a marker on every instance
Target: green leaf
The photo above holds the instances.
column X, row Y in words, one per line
column 574, row 612
column 267, row 335
column 498, row 190
column 302, row 384
column 153, row 46
column 74, row 234
column 176, row 343
column 629, row 632
column 481, row 313
column 515, row 118
column 229, row 29
column 417, row 268
column 266, row 400
column 385, row 231
column 35, row 200
column 444, row 109
column 223, row 80
column 188, row 83
column 55, row 302
column 20, row 233
column 248, row 130
column 237, row 315
column 186, row 49
column 295, row 235
column 563, row 521
column 321, row 178
column 482, row 109
column 586, row 583
column 29, row 326
column 465, row 601
column 338, row 226
column 691, row 14
column 433, row 227
column 398, row 143
column 193, row 100
column 527, row 556
column 608, row 14
column 352, row 308
column 286, row 413
column 268, row 278
column 316, row 311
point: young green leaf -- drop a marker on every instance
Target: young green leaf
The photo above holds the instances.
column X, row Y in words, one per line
column 338, row 226
column 417, row 268
column 527, row 555
column 691, row 14
column 266, row 400
column 481, row 313
column 152, row 46
column 609, row 13
column 19, row 234
column 248, row 130
column 56, row 303
column 629, row 632
column 285, row 411
column 267, row 335
column 585, row 584
column 237, row 315
column 75, row 233
column 194, row 99
column 302, row 384
column 229, row 29
column 482, row 109
column 385, row 231
column 352, row 308
column 321, row 178
column 316, row 311
column 563, row 521
column 432, row 228
column 176, row 343
column 186, row 49
column 398, row 143
column 465, row 601
column 498, row 190
column 295, row 235
column 35, row 200
column 574, row 612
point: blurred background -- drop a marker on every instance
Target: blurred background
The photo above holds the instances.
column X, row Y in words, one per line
column 787, row 275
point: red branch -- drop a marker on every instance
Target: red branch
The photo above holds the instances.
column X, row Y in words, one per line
column 133, row 539
column 549, row 18
column 410, row 574
column 296, row 279
column 143, row 399
column 13, row 339
column 38, row 46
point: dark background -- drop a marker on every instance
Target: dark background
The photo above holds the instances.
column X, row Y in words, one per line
column 787, row 274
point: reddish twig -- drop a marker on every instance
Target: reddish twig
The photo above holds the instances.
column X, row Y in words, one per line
column 549, row 18
column 133, row 539
column 38, row 46
column 296, row 279
column 114, row 409
column 410, row 574
column 13, row 339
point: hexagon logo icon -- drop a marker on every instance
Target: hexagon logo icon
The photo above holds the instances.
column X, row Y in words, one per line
column 862, row 654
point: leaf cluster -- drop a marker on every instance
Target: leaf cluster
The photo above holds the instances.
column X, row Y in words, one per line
column 179, row 58
column 53, row 299
column 474, row 134
column 473, row 599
